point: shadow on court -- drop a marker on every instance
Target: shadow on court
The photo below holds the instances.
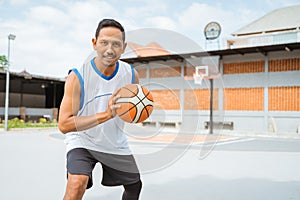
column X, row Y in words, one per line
column 205, row 187
column 33, row 167
column 211, row 188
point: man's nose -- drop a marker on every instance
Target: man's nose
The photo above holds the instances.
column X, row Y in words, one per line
column 110, row 48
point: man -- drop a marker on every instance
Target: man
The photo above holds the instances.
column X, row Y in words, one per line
column 94, row 134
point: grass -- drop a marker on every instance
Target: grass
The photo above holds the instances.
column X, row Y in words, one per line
column 19, row 123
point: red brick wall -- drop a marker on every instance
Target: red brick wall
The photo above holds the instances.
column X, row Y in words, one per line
column 291, row 64
column 189, row 70
column 240, row 99
column 142, row 73
column 284, row 98
column 252, row 99
column 199, row 99
column 165, row 72
column 166, row 99
column 246, row 99
column 243, row 67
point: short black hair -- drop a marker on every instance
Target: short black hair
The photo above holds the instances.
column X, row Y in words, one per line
column 110, row 23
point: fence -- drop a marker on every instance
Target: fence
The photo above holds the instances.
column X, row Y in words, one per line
column 30, row 113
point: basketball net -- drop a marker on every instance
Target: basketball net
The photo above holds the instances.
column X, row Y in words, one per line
column 198, row 78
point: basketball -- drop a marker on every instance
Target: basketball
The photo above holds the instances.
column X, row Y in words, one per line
column 136, row 103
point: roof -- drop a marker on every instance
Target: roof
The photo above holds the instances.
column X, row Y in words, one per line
column 283, row 19
column 261, row 49
column 26, row 75
column 151, row 49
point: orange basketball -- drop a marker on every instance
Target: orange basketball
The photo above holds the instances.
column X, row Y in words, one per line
column 136, row 103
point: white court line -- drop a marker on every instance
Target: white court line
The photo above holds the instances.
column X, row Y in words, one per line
column 235, row 141
column 225, row 141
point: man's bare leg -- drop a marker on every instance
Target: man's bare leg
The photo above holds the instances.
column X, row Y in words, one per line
column 76, row 186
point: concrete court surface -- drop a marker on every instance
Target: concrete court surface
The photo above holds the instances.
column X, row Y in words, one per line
column 32, row 167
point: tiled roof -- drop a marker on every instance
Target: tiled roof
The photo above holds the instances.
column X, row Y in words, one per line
column 287, row 18
column 151, row 49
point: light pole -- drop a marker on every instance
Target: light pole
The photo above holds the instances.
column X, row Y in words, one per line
column 10, row 37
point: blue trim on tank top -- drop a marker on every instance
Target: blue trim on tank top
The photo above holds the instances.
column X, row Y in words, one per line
column 133, row 75
column 81, row 85
column 102, row 75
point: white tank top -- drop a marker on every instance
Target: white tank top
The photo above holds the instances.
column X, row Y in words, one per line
column 96, row 89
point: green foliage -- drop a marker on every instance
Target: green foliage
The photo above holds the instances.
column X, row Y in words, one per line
column 20, row 123
column 43, row 120
column 15, row 122
column 3, row 62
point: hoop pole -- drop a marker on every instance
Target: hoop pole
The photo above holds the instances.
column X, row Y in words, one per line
column 211, row 127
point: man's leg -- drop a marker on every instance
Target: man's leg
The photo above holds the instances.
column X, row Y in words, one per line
column 76, row 187
column 132, row 191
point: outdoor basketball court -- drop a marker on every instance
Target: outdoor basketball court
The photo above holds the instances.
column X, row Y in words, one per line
column 33, row 167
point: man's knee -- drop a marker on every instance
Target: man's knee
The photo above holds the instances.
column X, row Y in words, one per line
column 139, row 185
column 76, row 186
column 132, row 191
column 78, row 182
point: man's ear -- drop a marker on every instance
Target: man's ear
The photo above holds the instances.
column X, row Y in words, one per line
column 94, row 41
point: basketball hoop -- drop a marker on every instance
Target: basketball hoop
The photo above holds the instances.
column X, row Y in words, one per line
column 201, row 72
column 198, row 78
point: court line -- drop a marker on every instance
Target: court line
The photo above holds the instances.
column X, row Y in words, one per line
column 235, row 141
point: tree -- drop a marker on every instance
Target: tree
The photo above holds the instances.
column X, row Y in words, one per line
column 3, row 62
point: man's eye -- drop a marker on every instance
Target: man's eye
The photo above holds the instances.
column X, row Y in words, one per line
column 117, row 44
column 103, row 43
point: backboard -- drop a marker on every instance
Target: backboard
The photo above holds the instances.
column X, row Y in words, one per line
column 205, row 67
column 200, row 73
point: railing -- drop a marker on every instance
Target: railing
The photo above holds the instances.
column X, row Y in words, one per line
column 265, row 39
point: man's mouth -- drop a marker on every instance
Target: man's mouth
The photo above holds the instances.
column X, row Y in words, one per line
column 109, row 57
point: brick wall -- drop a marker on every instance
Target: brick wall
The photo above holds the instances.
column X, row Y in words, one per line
column 142, row 72
column 284, row 98
column 189, row 70
column 199, row 99
column 243, row 67
column 252, row 99
column 166, row 99
column 291, row 64
column 246, row 99
column 165, row 72
column 284, row 95
column 235, row 99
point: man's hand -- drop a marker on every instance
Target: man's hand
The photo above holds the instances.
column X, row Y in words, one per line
column 112, row 106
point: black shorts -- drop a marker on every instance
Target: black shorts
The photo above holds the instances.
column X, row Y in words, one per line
column 117, row 169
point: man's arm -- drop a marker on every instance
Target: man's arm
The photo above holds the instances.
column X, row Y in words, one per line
column 68, row 119
column 136, row 77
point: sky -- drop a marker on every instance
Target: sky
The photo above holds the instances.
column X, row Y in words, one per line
column 53, row 36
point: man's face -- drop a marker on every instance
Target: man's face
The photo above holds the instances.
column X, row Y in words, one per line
column 109, row 46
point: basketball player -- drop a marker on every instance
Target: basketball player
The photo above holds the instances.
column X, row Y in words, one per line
column 87, row 117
